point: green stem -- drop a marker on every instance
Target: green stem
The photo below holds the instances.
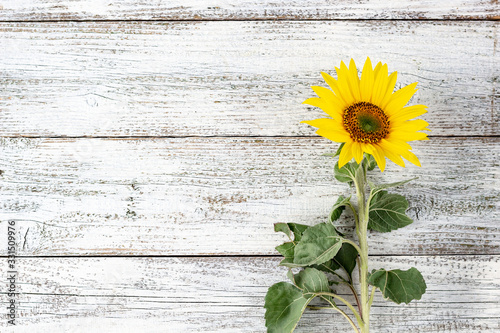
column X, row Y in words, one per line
column 353, row 245
column 357, row 299
column 343, row 300
column 312, row 307
column 355, row 214
column 372, row 296
column 361, row 230
column 343, row 313
column 348, row 319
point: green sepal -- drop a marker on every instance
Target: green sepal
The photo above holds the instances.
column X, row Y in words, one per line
column 338, row 208
column 387, row 212
column 284, row 304
column 319, row 244
column 399, row 286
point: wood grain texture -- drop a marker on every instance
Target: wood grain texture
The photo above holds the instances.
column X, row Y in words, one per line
column 232, row 78
column 227, row 295
column 62, row 10
column 202, row 196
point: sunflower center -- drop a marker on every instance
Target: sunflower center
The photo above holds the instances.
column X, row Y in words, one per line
column 366, row 123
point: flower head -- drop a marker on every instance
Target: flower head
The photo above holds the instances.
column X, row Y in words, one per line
column 367, row 115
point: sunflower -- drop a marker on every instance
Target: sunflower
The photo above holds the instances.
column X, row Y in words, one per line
column 368, row 116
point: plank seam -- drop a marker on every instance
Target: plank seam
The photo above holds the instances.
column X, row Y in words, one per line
column 213, row 137
column 229, row 256
column 191, row 20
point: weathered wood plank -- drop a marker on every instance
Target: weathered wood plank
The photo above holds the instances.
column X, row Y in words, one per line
column 227, row 295
column 16, row 10
column 231, row 78
column 222, row 195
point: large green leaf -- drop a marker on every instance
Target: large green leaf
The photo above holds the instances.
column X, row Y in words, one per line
column 387, row 212
column 399, row 286
column 319, row 244
column 284, row 305
column 338, row 208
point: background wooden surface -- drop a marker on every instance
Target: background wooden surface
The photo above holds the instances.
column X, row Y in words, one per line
column 147, row 148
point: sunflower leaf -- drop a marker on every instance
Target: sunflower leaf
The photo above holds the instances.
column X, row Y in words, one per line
column 284, row 304
column 370, row 162
column 329, row 266
column 337, row 153
column 338, row 208
column 319, row 244
column 287, row 249
column 399, row 286
column 347, row 173
column 346, row 258
column 387, row 212
column 288, row 262
column 289, row 228
column 378, row 188
column 311, row 280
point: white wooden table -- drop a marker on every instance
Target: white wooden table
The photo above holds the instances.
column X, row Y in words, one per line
column 147, row 148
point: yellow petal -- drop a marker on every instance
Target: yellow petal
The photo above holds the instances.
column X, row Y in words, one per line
column 324, row 105
column 387, row 91
column 408, row 113
column 409, row 136
column 333, row 102
column 367, row 148
column 411, row 158
column 335, row 87
column 391, row 152
column 343, row 85
column 399, row 99
column 402, row 145
column 325, row 123
column 353, row 81
column 357, row 152
column 345, row 154
column 366, row 84
column 410, row 125
column 380, row 82
column 337, row 136
column 378, row 154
